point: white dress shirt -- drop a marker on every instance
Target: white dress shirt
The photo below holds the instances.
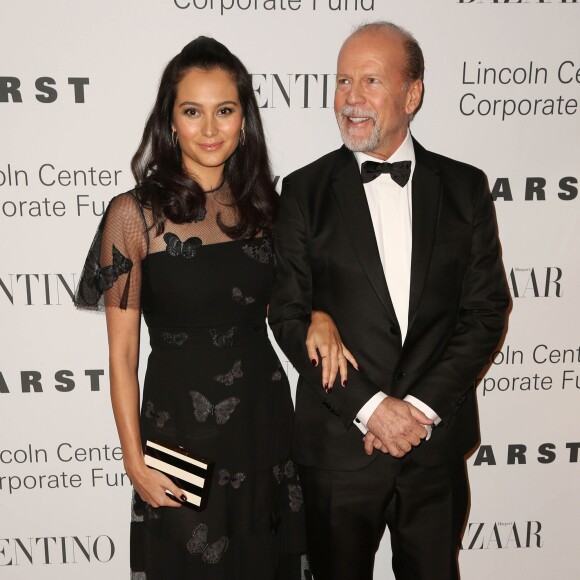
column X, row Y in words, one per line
column 391, row 213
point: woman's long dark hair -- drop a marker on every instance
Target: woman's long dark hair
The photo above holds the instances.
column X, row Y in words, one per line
column 162, row 183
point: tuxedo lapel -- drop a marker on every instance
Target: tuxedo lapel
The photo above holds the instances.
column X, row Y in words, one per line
column 350, row 197
column 426, row 198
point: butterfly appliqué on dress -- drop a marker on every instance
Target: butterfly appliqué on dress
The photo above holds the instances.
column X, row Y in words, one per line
column 108, row 275
column 175, row 247
column 295, row 497
column 239, row 297
column 233, row 374
column 259, row 249
column 203, row 408
column 287, row 470
column 158, row 417
column 235, row 480
column 174, row 338
column 210, row 553
column 224, row 338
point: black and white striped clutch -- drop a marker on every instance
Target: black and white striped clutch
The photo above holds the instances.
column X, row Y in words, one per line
column 188, row 471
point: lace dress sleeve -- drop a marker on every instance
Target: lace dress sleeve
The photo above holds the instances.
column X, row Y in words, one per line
column 112, row 272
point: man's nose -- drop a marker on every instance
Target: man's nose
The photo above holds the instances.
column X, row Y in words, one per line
column 355, row 94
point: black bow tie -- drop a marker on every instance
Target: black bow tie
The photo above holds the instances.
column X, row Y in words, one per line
column 400, row 171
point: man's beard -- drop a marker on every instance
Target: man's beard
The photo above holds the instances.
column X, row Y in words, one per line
column 363, row 144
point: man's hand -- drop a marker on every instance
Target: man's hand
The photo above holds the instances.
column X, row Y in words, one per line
column 371, row 443
column 396, row 427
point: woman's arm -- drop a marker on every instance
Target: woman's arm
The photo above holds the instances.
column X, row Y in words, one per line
column 323, row 338
column 123, row 333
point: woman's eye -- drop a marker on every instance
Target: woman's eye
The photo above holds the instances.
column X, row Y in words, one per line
column 224, row 111
column 191, row 112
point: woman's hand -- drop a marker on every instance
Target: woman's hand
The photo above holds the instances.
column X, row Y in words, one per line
column 151, row 486
column 324, row 339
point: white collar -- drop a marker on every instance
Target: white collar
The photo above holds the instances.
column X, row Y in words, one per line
column 405, row 152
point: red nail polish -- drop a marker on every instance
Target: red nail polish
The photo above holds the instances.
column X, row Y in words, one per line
column 183, row 497
column 314, row 362
column 326, row 388
column 344, row 383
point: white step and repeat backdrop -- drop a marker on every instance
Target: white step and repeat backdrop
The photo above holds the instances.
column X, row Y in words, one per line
column 77, row 80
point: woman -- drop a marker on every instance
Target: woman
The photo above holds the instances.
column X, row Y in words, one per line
column 190, row 249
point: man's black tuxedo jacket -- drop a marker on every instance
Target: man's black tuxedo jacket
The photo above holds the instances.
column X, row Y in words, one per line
column 328, row 259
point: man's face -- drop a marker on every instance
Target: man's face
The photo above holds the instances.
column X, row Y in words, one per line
column 371, row 102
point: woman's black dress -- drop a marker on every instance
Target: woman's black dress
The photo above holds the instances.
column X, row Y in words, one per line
column 213, row 385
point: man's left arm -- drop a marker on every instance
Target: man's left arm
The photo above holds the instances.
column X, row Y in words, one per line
column 480, row 320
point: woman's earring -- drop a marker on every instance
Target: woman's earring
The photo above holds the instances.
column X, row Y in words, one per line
column 242, row 136
column 174, row 139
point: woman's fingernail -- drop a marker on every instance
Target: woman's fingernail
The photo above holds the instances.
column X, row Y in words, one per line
column 326, row 387
column 183, row 497
column 344, row 383
column 314, row 362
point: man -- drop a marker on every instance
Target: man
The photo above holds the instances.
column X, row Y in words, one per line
column 410, row 270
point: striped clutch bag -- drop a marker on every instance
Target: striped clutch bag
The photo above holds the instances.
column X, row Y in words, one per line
column 188, row 471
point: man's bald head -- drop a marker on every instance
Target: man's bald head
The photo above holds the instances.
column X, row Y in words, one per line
column 414, row 63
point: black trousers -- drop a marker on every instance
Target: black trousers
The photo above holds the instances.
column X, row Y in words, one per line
column 347, row 512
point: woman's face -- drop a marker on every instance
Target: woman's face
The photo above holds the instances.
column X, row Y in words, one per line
column 208, row 118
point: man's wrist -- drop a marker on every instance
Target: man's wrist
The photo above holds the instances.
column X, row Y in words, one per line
column 363, row 416
column 426, row 410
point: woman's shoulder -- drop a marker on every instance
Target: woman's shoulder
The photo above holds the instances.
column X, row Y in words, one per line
column 126, row 208
column 126, row 202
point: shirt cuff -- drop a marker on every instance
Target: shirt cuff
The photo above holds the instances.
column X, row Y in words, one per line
column 425, row 409
column 367, row 410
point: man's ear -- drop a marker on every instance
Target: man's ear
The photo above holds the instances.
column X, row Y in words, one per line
column 414, row 97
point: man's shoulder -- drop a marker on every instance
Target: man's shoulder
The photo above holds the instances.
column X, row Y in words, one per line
column 317, row 170
column 446, row 165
